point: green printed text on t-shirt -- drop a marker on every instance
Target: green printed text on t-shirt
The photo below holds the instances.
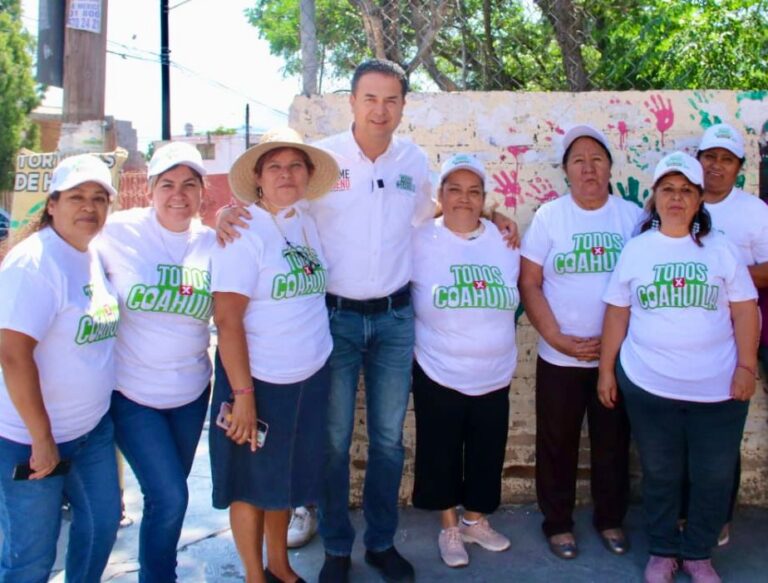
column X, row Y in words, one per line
column 592, row 253
column 98, row 323
column 678, row 285
column 306, row 275
column 179, row 290
column 476, row 286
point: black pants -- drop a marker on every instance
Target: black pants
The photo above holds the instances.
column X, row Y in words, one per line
column 460, row 446
column 563, row 395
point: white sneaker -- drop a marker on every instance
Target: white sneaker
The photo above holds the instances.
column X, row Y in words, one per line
column 452, row 549
column 302, row 527
column 482, row 534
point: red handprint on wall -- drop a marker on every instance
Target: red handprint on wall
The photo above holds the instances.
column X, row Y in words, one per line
column 664, row 114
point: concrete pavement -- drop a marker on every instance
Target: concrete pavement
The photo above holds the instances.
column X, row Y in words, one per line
column 207, row 551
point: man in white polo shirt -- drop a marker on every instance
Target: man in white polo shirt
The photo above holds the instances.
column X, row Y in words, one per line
column 365, row 227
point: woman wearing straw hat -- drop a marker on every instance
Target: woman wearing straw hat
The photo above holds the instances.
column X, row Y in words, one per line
column 158, row 259
column 274, row 341
column 58, row 319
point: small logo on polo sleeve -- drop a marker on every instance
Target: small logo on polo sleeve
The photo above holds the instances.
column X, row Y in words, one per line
column 405, row 182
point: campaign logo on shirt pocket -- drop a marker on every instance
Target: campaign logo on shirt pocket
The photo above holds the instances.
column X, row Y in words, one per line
column 344, row 182
column 406, row 182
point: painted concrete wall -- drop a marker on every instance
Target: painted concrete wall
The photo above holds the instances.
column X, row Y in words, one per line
column 517, row 136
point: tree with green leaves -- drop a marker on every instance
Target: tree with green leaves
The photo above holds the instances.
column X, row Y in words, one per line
column 544, row 45
column 18, row 92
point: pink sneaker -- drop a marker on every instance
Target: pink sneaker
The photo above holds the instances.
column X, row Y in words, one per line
column 482, row 534
column 701, row 571
column 660, row 570
column 452, row 549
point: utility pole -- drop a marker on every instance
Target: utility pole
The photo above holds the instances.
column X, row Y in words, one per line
column 85, row 63
column 165, row 64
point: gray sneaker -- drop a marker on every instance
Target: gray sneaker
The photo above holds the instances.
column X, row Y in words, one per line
column 452, row 549
column 482, row 534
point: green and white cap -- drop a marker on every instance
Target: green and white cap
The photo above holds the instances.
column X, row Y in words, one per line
column 462, row 162
column 175, row 154
column 76, row 170
column 680, row 162
column 722, row 135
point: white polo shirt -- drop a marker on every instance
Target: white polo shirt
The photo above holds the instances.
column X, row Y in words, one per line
column 365, row 221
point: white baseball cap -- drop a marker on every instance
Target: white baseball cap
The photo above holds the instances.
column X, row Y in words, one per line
column 582, row 131
column 174, row 154
column 680, row 162
column 462, row 162
column 76, row 170
column 722, row 135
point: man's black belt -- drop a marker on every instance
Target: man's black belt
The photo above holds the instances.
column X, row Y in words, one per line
column 398, row 299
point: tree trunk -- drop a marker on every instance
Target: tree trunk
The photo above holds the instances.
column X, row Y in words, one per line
column 566, row 20
column 309, row 52
column 382, row 27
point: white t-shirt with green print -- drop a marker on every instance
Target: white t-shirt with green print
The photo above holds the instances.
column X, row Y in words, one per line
column 464, row 297
column 680, row 341
column 163, row 281
column 743, row 219
column 577, row 250
column 286, row 321
column 60, row 297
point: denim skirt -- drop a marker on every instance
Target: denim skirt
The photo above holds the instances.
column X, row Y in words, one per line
column 286, row 471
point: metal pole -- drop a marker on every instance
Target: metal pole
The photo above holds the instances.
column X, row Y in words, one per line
column 247, row 125
column 165, row 65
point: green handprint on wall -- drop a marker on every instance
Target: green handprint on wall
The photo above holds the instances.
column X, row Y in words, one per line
column 631, row 191
column 698, row 102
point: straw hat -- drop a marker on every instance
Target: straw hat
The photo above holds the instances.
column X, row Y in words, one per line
column 242, row 177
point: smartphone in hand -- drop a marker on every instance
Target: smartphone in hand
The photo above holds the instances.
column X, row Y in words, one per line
column 224, row 420
column 24, row 471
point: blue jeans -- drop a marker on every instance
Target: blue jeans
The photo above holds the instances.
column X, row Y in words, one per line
column 674, row 437
column 382, row 344
column 159, row 445
column 30, row 510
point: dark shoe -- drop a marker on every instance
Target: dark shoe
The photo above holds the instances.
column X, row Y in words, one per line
column 566, row 551
column 272, row 578
column 615, row 541
column 335, row 569
column 391, row 566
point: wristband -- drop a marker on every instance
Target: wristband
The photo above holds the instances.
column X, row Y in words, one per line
column 245, row 391
column 746, row 368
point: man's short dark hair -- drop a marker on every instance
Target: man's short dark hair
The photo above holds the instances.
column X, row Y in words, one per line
column 382, row 66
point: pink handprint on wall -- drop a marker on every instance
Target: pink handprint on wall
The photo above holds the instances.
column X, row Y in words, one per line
column 623, row 132
column 517, row 151
column 664, row 114
column 509, row 188
column 543, row 190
